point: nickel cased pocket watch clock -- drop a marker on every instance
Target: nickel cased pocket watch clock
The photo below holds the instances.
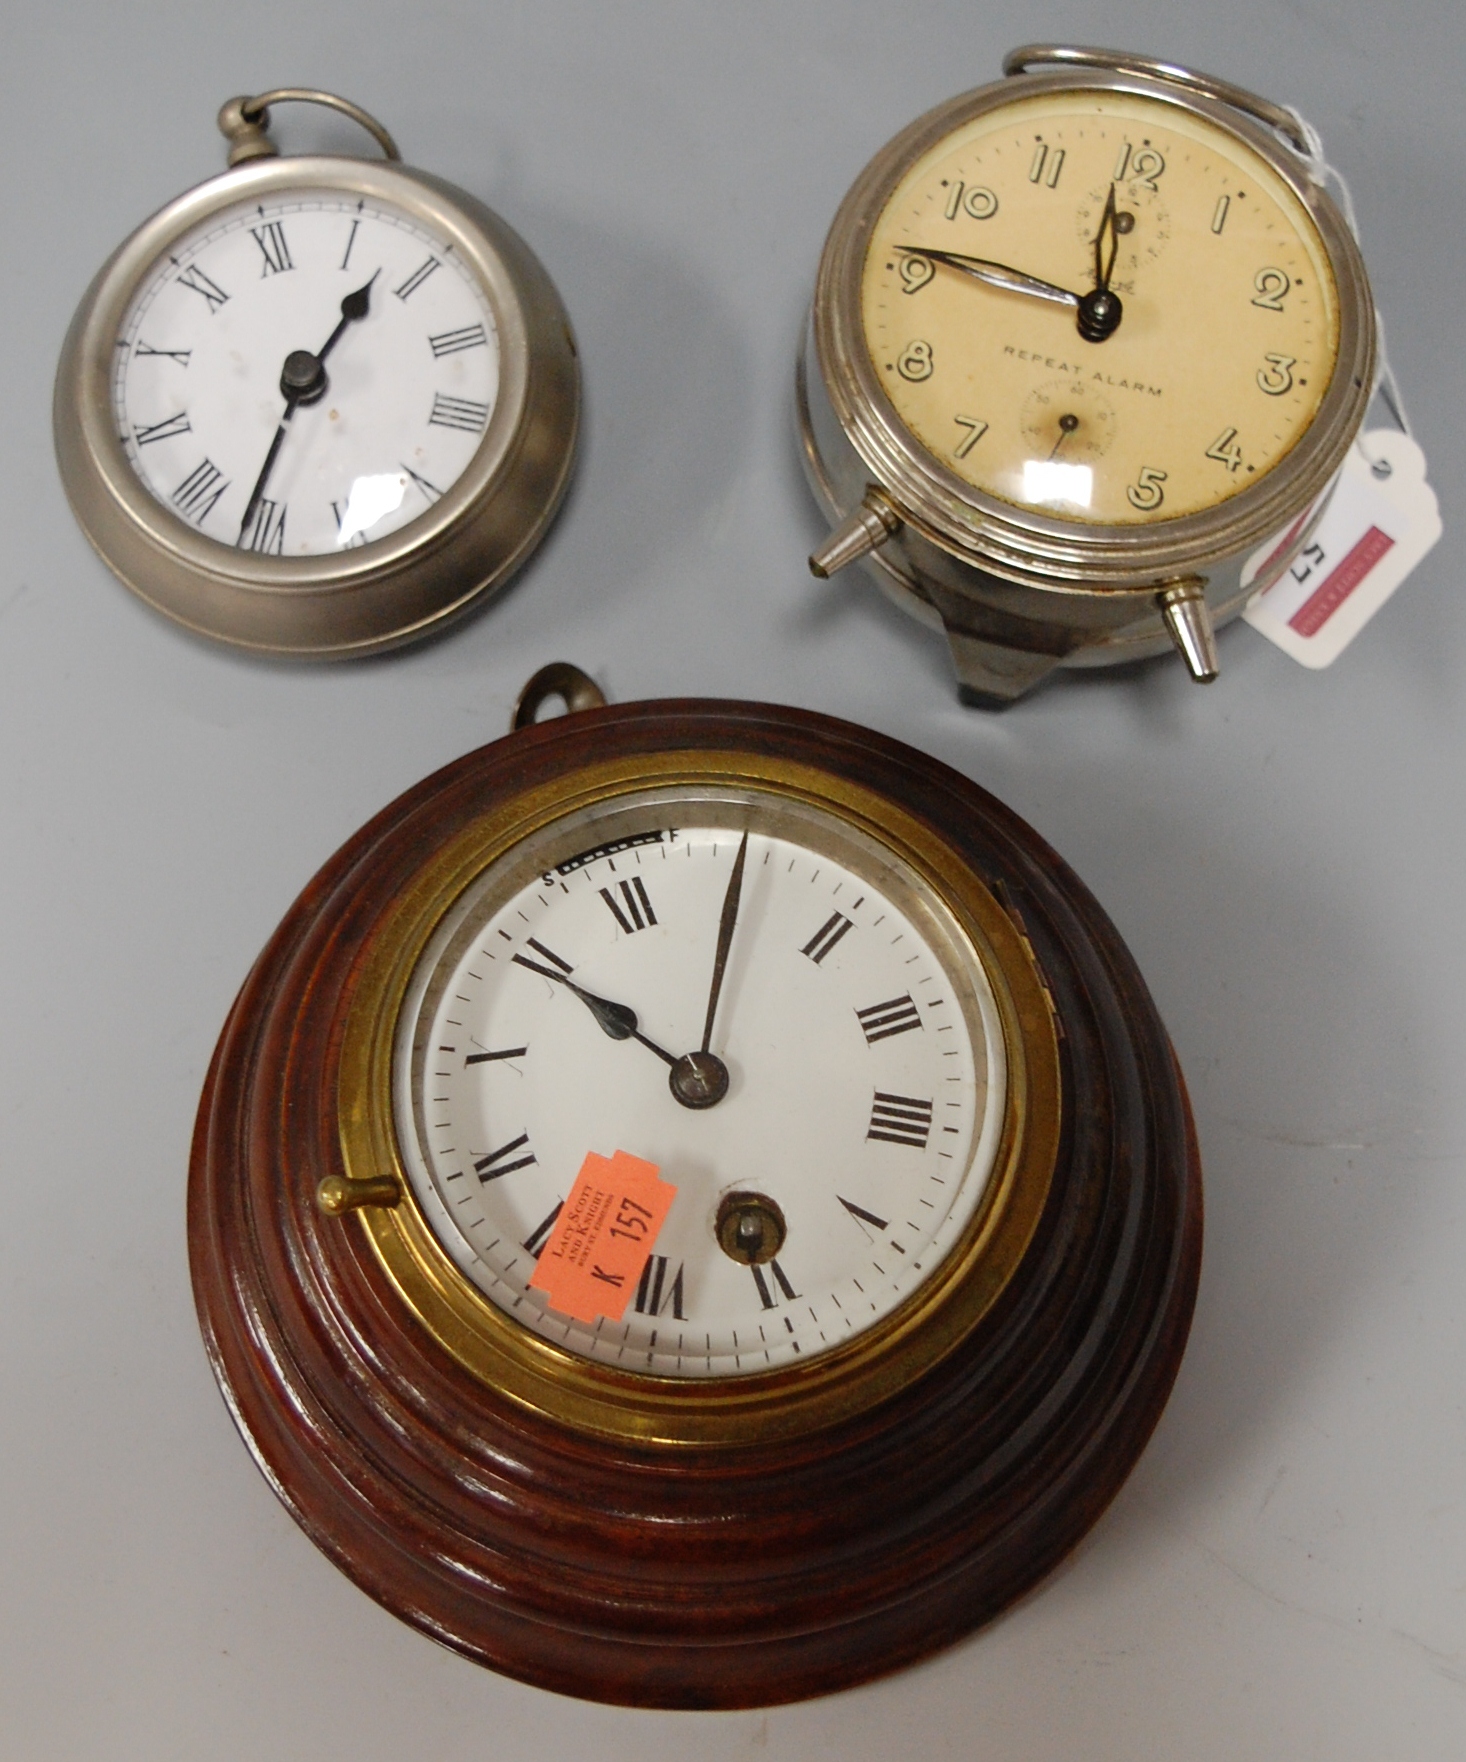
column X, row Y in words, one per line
column 1081, row 342
column 319, row 405
column 933, row 1241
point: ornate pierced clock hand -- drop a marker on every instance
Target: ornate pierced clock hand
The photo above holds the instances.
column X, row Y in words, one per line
column 303, row 381
column 1100, row 311
column 616, row 1019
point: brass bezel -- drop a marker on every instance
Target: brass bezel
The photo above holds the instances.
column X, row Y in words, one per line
column 393, row 589
column 1021, row 544
column 603, row 1400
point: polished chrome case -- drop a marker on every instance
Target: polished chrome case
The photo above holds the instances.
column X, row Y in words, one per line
column 1019, row 592
column 403, row 586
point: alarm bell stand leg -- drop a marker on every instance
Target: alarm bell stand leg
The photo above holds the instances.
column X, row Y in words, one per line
column 1188, row 619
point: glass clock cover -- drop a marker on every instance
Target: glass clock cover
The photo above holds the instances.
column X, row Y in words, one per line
column 864, row 1064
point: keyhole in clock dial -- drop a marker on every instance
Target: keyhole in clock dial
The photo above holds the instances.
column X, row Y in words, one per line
column 750, row 1228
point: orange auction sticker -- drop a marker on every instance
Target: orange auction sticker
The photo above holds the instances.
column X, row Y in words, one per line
column 590, row 1265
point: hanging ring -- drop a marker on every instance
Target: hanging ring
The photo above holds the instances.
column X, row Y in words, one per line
column 245, row 122
column 560, row 679
column 1283, row 122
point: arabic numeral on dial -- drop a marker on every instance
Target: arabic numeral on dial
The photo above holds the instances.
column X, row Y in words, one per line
column 976, row 429
column 1271, row 285
column 979, row 201
column 916, row 272
column 1277, row 377
column 1219, row 213
column 1146, row 492
column 915, row 361
column 1225, row 451
column 1146, row 167
column 1046, row 165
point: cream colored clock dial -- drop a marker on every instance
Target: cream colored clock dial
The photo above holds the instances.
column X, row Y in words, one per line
column 1230, row 324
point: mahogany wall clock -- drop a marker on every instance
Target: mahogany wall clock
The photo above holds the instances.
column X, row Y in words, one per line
column 695, row 1205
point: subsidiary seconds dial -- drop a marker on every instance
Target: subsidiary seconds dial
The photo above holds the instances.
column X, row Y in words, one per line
column 301, row 376
column 851, row 1056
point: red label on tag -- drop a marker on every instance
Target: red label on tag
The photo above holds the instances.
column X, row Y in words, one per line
column 590, row 1265
column 1325, row 600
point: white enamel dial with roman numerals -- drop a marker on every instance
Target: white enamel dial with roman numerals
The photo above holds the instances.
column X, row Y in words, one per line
column 410, row 388
column 317, row 405
column 865, row 1063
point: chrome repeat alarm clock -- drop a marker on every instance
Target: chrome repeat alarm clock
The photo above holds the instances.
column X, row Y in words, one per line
column 1081, row 342
column 319, row 405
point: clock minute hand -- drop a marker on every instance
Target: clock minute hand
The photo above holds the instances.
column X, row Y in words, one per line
column 1098, row 312
column 618, row 1020
column 726, row 926
column 996, row 275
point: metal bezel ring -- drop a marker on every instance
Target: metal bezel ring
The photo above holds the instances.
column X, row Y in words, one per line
column 1020, row 544
column 381, row 594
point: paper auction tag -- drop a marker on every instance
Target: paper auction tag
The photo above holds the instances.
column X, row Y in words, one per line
column 591, row 1262
column 1377, row 527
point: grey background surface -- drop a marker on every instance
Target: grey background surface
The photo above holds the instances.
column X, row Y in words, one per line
column 1285, row 1574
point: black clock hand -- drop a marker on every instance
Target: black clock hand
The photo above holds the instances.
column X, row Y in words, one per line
column 1103, row 271
column 302, row 381
column 726, row 926
column 616, row 1019
column 1100, row 311
column 353, row 308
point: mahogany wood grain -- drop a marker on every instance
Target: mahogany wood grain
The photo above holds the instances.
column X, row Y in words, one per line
column 737, row 1577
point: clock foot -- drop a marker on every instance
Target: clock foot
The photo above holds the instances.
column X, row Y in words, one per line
column 1188, row 618
column 991, row 676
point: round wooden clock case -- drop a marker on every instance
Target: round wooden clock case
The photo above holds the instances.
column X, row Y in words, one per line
column 740, row 1572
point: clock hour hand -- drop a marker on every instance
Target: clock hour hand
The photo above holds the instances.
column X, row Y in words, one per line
column 615, row 1019
column 303, row 381
column 1100, row 310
